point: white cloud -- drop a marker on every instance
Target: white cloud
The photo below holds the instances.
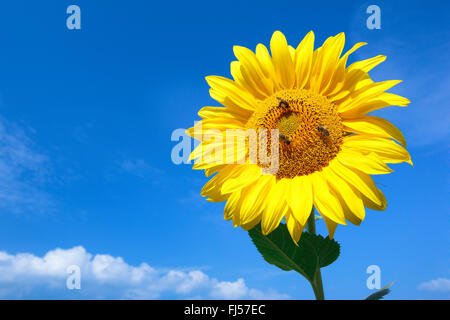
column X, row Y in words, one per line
column 25, row 275
column 139, row 168
column 22, row 171
column 440, row 284
column 238, row 290
column 228, row 290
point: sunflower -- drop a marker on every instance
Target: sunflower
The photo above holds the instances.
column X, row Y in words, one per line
column 328, row 146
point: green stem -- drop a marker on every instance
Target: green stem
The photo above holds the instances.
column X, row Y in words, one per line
column 317, row 281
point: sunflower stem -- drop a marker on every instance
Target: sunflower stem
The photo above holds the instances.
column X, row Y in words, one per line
column 316, row 284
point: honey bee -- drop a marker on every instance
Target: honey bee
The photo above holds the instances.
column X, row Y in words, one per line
column 323, row 130
column 285, row 139
column 283, row 103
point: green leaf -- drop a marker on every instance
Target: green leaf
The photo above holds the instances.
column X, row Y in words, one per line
column 327, row 250
column 379, row 294
column 312, row 253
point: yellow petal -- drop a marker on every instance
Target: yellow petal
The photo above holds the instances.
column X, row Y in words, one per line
column 351, row 85
column 338, row 79
column 255, row 197
column 366, row 65
column 220, row 112
column 228, row 88
column 265, row 61
column 292, row 52
column 250, row 62
column 232, row 206
column 275, row 208
column 230, row 171
column 349, row 214
column 294, row 227
column 216, row 196
column 331, row 226
column 324, row 199
column 220, row 124
column 361, row 181
column 303, row 60
column 199, row 165
column 300, row 199
column 247, row 176
column 251, row 224
column 231, row 103
column 368, row 163
column 366, row 93
column 375, row 126
column 349, row 198
column 327, row 60
column 356, row 77
column 210, row 171
column 374, row 206
column 282, row 61
column 198, row 151
column 387, row 150
column 253, row 75
column 241, row 77
column 385, row 99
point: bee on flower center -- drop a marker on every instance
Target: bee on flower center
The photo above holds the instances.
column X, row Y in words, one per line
column 285, row 139
column 283, row 103
column 324, row 130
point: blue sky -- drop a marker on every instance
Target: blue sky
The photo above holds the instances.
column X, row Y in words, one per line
column 85, row 123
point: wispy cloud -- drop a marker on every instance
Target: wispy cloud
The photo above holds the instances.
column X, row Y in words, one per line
column 440, row 284
column 23, row 171
column 139, row 168
column 26, row 275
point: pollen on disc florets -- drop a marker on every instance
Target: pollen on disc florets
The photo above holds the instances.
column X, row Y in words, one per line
column 310, row 130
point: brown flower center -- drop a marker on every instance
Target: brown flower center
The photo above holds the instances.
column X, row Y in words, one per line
column 310, row 130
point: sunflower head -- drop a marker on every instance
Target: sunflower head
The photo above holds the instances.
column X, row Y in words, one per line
column 326, row 146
